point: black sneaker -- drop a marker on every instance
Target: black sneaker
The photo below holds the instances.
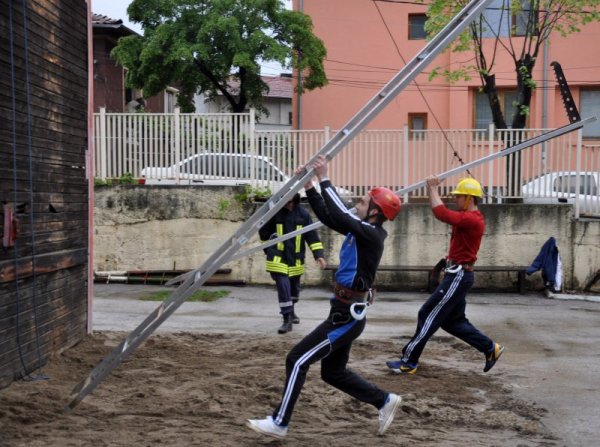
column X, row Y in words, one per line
column 492, row 358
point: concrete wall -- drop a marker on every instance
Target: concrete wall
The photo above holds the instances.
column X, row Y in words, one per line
column 166, row 227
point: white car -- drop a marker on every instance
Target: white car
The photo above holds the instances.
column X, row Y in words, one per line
column 560, row 187
column 222, row 169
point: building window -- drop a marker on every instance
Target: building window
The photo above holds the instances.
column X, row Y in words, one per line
column 524, row 20
column 417, row 122
column 589, row 104
column 416, row 26
column 498, row 20
column 483, row 112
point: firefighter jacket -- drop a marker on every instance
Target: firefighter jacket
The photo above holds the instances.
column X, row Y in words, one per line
column 287, row 257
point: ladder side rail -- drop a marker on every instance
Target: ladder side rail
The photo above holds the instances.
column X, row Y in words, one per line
column 507, row 151
column 136, row 337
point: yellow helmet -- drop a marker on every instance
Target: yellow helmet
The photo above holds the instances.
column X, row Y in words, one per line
column 469, row 187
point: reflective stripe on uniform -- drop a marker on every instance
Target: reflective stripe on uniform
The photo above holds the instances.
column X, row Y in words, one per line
column 296, row 270
column 277, row 266
column 279, row 230
column 316, row 246
column 298, row 239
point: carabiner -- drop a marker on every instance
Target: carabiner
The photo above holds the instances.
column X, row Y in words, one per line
column 359, row 315
column 454, row 269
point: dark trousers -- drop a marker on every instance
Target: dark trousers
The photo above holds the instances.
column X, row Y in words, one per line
column 445, row 308
column 288, row 291
column 330, row 343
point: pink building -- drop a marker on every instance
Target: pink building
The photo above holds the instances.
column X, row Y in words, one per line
column 362, row 57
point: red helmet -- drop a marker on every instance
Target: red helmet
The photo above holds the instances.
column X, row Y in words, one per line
column 387, row 200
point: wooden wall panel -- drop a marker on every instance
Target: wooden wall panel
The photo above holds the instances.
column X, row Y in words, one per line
column 43, row 143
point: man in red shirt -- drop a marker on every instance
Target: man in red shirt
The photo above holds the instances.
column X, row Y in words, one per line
column 445, row 308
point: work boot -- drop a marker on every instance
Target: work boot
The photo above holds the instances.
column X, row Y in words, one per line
column 295, row 318
column 287, row 324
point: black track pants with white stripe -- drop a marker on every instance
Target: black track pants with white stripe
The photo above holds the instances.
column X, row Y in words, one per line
column 331, row 344
column 445, row 308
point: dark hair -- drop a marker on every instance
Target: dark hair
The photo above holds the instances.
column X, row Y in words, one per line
column 379, row 217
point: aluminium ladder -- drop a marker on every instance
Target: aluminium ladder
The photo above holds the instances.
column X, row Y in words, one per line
column 231, row 246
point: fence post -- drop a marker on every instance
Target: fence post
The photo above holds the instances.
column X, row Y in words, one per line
column 491, row 128
column 251, row 117
column 577, row 172
column 252, row 129
column 102, row 144
column 326, row 134
column 177, row 142
column 405, row 180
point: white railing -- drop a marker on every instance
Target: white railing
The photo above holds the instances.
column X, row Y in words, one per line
column 128, row 143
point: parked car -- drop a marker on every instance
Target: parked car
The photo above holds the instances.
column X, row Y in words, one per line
column 222, row 169
column 560, row 187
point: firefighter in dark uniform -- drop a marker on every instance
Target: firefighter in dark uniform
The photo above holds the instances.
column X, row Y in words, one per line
column 285, row 260
column 445, row 308
column 331, row 341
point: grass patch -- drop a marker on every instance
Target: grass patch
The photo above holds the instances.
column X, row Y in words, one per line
column 205, row 296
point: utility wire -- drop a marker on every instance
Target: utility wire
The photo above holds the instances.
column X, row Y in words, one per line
column 455, row 153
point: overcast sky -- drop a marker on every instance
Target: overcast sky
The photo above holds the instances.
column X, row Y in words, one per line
column 117, row 9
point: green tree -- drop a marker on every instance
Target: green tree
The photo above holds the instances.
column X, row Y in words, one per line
column 214, row 47
column 518, row 27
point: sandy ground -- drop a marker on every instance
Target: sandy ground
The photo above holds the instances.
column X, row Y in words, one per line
column 213, row 365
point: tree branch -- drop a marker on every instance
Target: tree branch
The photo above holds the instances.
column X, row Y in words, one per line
column 206, row 72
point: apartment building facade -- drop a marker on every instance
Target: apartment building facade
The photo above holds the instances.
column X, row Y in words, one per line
column 369, row 42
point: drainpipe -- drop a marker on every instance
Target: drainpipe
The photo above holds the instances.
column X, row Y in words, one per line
column 299, row 97
column 544, row 100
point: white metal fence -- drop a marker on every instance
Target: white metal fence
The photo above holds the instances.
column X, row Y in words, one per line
column 559, row 170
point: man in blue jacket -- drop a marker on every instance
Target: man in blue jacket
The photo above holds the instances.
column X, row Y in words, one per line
column 331, row 341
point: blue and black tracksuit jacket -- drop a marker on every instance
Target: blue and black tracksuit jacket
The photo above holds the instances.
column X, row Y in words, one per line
column 331, row 341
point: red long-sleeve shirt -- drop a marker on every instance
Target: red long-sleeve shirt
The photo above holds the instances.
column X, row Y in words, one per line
column 467, row 231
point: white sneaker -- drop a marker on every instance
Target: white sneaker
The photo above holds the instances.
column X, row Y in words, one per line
column 386, row 414
column 267, row 427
